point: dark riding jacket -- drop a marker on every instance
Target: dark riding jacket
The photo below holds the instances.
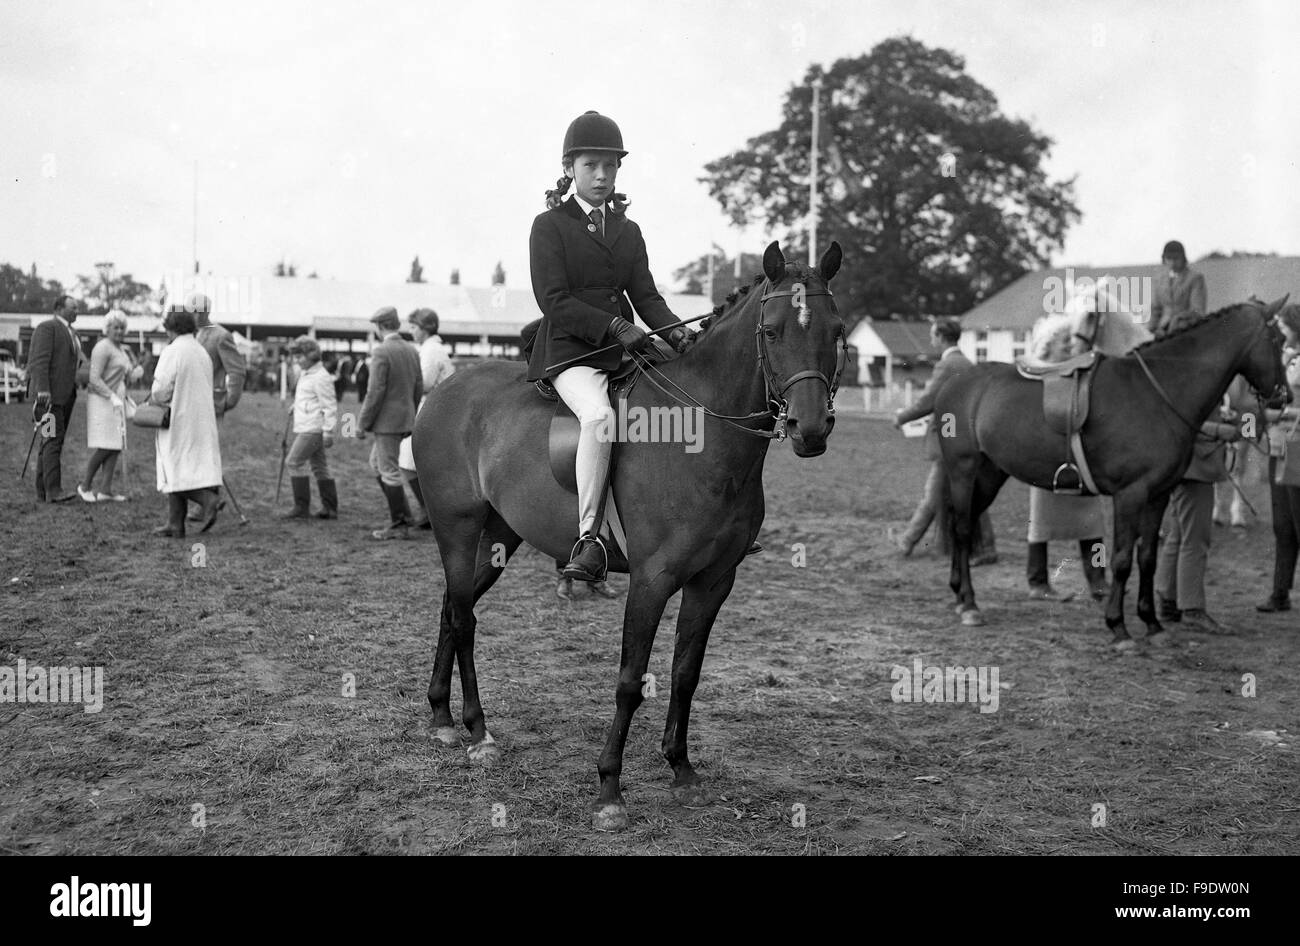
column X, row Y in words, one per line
column 582, row 281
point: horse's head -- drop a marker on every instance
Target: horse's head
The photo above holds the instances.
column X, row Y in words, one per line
column 801, row 346
column 1263, row 366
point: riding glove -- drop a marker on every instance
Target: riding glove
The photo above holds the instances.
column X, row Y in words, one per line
column 630, row 336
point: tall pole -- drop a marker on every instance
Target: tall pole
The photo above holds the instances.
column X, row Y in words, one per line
column 196, row 216
column 812, row 178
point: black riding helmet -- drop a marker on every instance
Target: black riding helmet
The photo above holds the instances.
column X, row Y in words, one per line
column 592, row 131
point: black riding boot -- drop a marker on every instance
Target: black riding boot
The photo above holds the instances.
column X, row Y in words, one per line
column 329, row 499
column 175, row 527
column 1094, row 574
column 588, row 561
column 1036, row 566
column 209, row 505
column 399, row 514
column 301, row 498
column 422, row 520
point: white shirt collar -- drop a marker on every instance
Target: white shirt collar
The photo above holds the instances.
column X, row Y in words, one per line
column 588, row 208
column 950, row 348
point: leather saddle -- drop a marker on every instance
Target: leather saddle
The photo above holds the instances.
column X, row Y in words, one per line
column 1067, row 391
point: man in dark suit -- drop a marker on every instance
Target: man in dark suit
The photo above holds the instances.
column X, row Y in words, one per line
column 944, row 334
column 389, row 413
column 56, row 354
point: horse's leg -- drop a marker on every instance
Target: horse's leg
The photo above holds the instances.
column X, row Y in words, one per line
column 700, row 603
column 1129, row 507
column 961, row 487
column 496, row 544
column 646, row 598
column 1153, row 513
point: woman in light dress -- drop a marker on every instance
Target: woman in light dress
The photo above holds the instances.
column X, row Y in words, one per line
column 111, row 366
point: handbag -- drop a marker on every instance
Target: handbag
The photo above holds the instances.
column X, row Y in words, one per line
column 152, row 415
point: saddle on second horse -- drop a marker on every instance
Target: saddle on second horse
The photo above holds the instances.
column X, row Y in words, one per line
column 1067, row 389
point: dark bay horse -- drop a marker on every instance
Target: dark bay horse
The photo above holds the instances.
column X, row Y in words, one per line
column 1138, row 437
column 480, row 445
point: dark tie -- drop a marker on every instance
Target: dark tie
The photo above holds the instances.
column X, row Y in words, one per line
column 598, row 219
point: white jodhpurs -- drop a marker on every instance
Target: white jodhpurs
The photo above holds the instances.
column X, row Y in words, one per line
column 586, row 391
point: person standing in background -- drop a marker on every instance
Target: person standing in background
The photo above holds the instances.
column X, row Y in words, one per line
column 389, row 413
column 314, row 414
column 53, row 364
column 106, row 410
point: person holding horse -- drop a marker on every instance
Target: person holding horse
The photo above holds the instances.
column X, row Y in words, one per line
column 944, row 334
column 1285, row 497
column 590, row 270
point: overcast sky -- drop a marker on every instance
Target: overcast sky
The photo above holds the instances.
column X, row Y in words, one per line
column 348, row 140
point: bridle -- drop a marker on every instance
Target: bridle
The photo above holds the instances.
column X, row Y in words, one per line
column 1279, row 390
column 774, row 390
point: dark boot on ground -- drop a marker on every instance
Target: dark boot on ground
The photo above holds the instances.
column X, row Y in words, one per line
column 175, row 527
column 421, row 519
column 1094, row 574
column 210, row 504
column 329, row 499
column 301, row 498
column 399, row 514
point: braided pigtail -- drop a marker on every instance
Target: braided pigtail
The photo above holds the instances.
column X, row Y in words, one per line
column 555, row 197
column 618, row 203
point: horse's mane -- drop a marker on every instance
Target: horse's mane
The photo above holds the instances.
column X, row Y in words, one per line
column 1182, row 327
column 736, row 297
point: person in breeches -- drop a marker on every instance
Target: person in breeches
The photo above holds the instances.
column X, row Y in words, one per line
column 589, row 271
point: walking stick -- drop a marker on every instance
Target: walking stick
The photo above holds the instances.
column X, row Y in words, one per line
column 243, row 519
column 36, row 429
column 284, row 453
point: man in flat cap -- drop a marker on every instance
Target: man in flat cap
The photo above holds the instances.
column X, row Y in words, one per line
column 389, row 413
column 1179, row 293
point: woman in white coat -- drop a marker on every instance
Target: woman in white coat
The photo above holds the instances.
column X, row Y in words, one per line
column 189, row 456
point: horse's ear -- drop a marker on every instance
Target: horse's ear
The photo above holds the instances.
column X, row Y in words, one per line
column 774, row 262
column 829, row 264
column 1273, row 308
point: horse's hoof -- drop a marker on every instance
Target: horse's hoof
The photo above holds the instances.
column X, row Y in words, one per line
column 447, row 735
column 694, row 795
column 484, row 753
column 1124, row 645
column 972, row 618
column 610, row 818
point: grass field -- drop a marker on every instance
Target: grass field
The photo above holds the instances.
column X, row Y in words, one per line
column 225, row 656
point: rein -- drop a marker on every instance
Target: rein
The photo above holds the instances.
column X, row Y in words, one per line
column 778, row 407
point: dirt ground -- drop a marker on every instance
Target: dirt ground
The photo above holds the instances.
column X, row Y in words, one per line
column 225, row 729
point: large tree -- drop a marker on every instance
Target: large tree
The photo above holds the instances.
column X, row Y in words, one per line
column 26, row 292
column 937, row 197
column 119, row 292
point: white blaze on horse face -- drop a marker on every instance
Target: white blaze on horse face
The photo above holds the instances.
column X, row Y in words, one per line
column 799, row 299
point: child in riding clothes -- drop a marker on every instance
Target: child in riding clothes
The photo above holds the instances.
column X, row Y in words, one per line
column 589, row 271
column 315, row 410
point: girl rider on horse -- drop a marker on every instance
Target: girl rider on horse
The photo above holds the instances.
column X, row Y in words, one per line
column 589, row 271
